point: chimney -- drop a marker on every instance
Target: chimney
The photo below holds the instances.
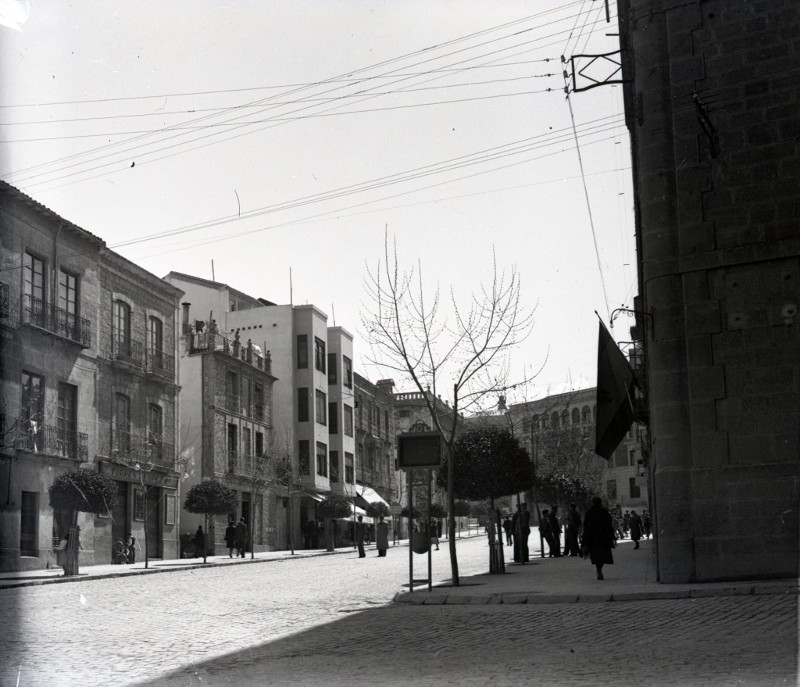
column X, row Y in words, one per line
column 185, row 326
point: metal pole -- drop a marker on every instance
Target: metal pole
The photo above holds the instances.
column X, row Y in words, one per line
column 430, row 534
column 410, row 532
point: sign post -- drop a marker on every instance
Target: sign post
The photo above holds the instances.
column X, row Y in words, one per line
column 419, row 449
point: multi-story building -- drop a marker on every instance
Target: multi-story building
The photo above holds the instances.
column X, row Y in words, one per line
column 375, row 439
column 313, row 387
column 713, row 111
column 89, row 382
column 558, row 431
column 226, row 426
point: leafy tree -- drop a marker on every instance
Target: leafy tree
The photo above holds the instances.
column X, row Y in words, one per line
column 334, row 507
column 488, row 463
column 210, row 498
column 82, row 491
column 377, row 509
column 414, row 513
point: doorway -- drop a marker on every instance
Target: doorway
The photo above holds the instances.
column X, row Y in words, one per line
column 29, row 524
column 153, row 522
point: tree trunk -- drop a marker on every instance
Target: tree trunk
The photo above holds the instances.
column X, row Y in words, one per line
column 146, row 551
column 451, row 516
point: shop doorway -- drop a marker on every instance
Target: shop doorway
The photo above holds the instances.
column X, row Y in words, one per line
column 153, row 522
column 120, row 524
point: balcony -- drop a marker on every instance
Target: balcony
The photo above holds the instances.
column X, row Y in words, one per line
column 52, row 441
column 66, row 325
column 148, row 451
column 128, row 351
column 203, row 342
column 239, row 463
column 161, row 364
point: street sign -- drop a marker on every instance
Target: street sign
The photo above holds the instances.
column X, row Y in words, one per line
column 419, row 450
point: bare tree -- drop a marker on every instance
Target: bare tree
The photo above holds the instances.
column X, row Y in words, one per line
column 467, row 351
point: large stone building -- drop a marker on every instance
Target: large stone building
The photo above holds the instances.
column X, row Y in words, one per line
column 312, row 394
column 713, row 110
column 89, row 382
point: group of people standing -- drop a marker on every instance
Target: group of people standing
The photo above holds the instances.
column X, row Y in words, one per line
column 236, row 538
column 594, row 535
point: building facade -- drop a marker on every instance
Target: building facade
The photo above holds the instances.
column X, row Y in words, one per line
column 713, row 111
column 89, row 382
column 313, row 387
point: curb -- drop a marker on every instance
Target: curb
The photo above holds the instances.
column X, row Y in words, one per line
column 422, row 598
column 10, row 583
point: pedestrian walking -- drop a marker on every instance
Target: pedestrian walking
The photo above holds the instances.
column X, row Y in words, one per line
column 571, row 543
column 434, row 530
column 555, row 531
column 381, row 536
column 199, row 542
column 507, row 530
column 647, row 524
column 521, row 526
column 230, row 538
column 598, row 536
column 360, row 537
column 544, row 531
column 636, row 528
column 241, row 537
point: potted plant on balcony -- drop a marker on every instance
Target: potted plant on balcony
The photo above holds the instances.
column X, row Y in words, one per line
column 83, row 491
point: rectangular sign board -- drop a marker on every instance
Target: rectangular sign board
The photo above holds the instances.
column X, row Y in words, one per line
column 419, row 450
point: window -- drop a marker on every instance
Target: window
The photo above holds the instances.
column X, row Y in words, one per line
column 259, row 443
column 138, row 504
column 333, row 459
column 247, row 447
column 304, row 457
column 332, row 371
column 371, row 457
column 386, row 422
column 576, row 416
column 565, row 418
column 587, row 414
column 321, row 406
column 34, row 284
column 232, row 390
column 247, row 400
column 349, row 468
column 526, row 425
column 155, row 428
column 258, row 400
column 122, row 328
column 155, row 335
column 347, row 366
column 302, row 404
column 233, row 447
column 319, row 354
column 29, row 524
column 322, row 459
column 611, row 489
column 635, row 491
column 620, row 458
column 405, row 413
column 121, row 430
column 554, row 420
column 348, row 420
column 535, row 422
column 32, row 411
column 377, row 421
column 632, row 456
column 68, row 301
column 302, row 351
column 67, row 420
column 333, row 418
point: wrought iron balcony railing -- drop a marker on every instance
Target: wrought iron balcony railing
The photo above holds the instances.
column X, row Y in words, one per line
column 127, row 350
column 52, row 441
column 160, row 363
column 142, row 448
column 70, row 326
column 213, row 341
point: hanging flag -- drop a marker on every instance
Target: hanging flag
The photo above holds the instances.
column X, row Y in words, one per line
column 615, row 392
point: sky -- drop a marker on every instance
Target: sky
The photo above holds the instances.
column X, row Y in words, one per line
column 273, row 145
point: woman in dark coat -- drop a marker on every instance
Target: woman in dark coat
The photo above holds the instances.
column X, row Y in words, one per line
column 598, row 536
column 636, row 528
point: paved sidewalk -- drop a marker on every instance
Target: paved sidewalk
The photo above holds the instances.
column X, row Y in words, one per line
column 574, row 579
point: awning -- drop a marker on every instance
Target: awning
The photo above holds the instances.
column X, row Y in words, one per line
column 367, row 495
column 313, row 495
column 356, row 511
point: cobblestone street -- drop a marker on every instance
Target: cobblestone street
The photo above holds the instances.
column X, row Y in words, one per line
column 328, row 621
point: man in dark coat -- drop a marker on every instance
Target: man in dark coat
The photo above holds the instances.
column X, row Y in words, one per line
column 555, row 532
column 241, row 537
column 507, row 529
column 230, row 538
column 598, row 536
column 571, row 545
column 360, row 537
column 636, row 528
